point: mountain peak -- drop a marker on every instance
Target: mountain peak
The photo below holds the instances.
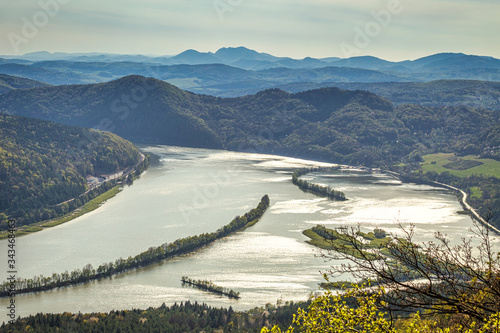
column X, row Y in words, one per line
column 238, row 48
column 139, row 82
column 233, row 54
column 194, row 57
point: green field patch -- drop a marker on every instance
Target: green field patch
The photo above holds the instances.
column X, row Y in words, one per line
column 476, row 192
column 461, row 167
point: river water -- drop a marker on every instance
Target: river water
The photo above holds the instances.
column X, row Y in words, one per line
column 191, row 191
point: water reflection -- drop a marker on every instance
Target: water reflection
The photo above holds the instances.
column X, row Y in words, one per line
column 190, row 191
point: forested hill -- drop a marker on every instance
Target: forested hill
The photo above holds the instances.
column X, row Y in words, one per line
column 133, row 107
column 8, row 83
column 43, row 164
column 435, row 93
column 355, row 127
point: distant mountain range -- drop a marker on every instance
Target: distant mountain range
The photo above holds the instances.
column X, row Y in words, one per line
column 245, row 58
column 436, row 80
column 241, row 71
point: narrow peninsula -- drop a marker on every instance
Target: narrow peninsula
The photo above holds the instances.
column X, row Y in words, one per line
column 210, row 287
column 319, row 190
column 151, row 256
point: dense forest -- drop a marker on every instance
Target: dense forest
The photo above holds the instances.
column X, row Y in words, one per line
column 44, row 164
column 355, row 127
column 183, row 317
column 328, row 124
column 481, row 94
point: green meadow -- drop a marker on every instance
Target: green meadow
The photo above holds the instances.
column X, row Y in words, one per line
column 461, row 166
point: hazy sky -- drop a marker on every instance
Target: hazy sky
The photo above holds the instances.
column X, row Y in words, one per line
column 402, row 29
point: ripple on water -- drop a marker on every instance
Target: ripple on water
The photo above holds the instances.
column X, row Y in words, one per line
column 301, row 206
column 265, row 262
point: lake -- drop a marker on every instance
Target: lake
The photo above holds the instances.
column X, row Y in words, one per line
column 190, row 191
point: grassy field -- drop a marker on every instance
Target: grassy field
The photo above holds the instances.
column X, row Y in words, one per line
column 476, row 192
column 437, row 162
column 88, row 207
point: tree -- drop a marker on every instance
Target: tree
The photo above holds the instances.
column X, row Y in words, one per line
column 379, row 233
column 434, row 276
column 358, row 311
column 331, row 313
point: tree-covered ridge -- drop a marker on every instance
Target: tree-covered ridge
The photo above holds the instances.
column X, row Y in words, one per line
column 8, row 83
column 152, row 255
column 353, row 127
column 481, row 94
column 136, row 108
column 43, row 164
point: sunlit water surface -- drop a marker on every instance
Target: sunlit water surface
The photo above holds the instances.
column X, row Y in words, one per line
column 192, row 191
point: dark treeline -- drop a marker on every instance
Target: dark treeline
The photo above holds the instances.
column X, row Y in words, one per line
column 146, row 258
column 211, row 287
column 328, row 124
column 184, row 317
column 320, row 190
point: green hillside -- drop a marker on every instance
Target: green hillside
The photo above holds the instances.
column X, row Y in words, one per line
column 134, row 107
column 43, row 164
column 8, row 83
column 331, row 124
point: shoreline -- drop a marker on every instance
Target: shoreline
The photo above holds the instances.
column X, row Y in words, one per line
column 88, row 207
column 42, row 225
column 463, row 200
column 80, row 211
column 474, row 215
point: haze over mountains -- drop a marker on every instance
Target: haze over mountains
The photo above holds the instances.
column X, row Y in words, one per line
column 333, row 124
column 249, row 59
column 232, row 72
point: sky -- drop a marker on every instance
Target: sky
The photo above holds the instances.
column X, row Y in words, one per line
column 389, row 29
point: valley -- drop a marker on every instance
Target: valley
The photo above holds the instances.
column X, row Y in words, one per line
column 191, row 189
column 207, row 149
